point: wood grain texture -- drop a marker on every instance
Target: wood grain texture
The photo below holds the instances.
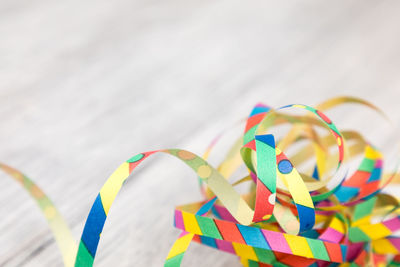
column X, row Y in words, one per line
column 84, row 85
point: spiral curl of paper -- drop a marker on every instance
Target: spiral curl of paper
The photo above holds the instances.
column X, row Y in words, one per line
column 325, row 217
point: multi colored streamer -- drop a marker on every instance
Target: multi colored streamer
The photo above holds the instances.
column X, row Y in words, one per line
column 323, row 215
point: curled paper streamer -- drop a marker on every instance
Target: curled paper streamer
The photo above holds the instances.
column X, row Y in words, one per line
column 326, row 216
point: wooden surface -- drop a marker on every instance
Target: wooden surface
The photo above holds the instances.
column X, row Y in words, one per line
column 84, row 85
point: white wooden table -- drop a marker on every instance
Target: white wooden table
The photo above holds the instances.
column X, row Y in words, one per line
column 84, row 85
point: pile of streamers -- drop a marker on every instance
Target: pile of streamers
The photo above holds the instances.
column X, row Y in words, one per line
column 325, row 216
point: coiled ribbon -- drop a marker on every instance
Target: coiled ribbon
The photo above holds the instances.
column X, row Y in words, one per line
column 320, row 217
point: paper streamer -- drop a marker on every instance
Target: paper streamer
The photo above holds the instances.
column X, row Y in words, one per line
column 323, row 216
